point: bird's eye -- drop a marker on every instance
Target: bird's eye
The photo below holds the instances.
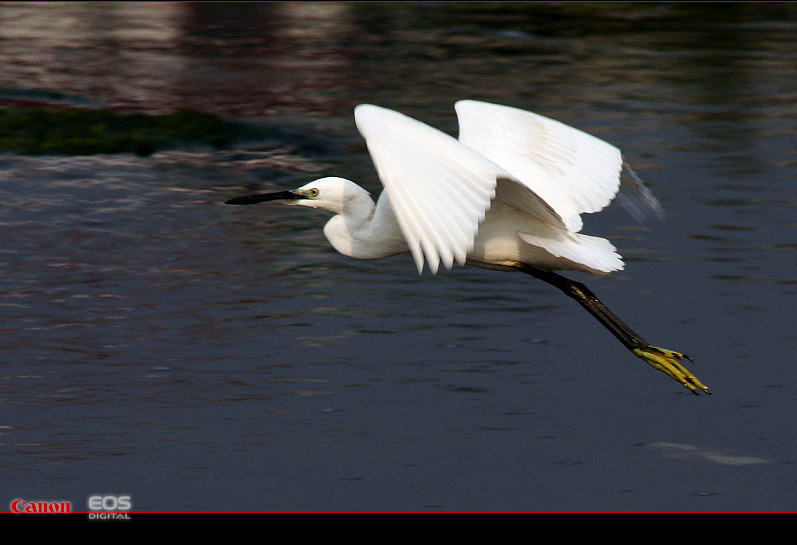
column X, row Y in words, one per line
column 313, row 192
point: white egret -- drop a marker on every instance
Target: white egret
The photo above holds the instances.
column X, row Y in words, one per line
column 506, row 195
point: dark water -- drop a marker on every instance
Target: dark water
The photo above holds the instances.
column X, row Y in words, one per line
column 196, row 357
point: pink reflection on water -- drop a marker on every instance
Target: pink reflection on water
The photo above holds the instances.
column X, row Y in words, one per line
column 241, row 60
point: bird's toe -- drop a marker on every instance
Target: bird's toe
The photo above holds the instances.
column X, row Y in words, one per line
column 668, row 362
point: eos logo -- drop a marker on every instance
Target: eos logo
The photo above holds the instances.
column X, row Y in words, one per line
column 109, row 503
column 109, row 507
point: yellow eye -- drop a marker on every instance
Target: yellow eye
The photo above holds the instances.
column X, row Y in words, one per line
column 312, row 192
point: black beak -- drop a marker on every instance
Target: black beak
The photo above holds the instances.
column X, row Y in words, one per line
column 263, row 197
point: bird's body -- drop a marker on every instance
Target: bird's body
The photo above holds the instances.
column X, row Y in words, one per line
column 363, row 229
column 506, row 195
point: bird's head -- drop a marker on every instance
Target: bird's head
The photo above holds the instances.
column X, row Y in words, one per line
column 331, row 193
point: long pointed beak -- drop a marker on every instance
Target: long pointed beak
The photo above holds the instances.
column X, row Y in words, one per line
column 263, row 197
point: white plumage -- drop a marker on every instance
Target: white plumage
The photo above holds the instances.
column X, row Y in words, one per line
column 509, row 191
column 508, row 194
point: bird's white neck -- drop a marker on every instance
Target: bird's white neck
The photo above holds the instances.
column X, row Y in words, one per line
column 364, row 230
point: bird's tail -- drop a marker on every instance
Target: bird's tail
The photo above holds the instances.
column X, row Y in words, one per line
column 584, row 252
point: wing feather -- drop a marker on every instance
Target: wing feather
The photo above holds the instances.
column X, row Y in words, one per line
column 572, row 171
column 439, row 188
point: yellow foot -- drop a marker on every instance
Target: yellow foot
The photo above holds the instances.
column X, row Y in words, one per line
column 666, row 361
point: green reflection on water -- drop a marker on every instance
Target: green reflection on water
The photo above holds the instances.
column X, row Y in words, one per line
column 37, row 131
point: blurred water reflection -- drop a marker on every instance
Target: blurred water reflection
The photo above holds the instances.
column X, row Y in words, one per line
column 159, row 344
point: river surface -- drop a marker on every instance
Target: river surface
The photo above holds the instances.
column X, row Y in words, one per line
column 200, row 357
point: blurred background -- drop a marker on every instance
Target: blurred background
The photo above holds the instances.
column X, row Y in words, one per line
column 200, row 357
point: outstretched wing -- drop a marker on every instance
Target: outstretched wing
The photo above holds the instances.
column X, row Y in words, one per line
column 439, row 189
column 572, row 171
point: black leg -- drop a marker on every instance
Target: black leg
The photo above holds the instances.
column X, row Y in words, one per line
column 660, row 358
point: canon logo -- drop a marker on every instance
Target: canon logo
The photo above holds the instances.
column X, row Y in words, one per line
column 22, row 506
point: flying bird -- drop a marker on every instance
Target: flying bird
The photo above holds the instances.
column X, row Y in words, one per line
column 508, row 195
